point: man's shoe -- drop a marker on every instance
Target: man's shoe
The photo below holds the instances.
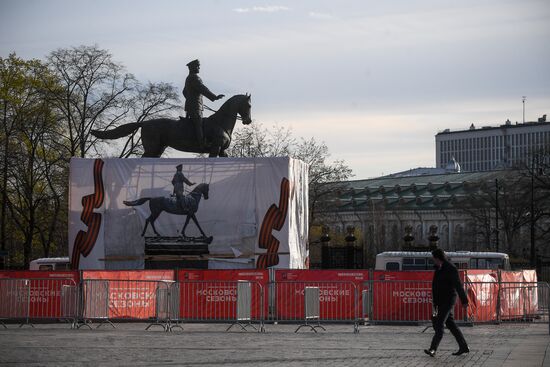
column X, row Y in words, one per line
column 430, row 352
column 462, row 351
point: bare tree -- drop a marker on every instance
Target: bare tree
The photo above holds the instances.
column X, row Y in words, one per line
column 153, row 100
column 324, row 176
column 506, row 197
column 94, row 94
column 536, row 176
column 257, row 141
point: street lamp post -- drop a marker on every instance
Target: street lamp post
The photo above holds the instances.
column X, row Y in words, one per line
column 523, row 98
column 325, row 239
column 533, row 260
column 496, row 214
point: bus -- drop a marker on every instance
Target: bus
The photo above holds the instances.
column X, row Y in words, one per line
column 411, row 260
column 50, row 263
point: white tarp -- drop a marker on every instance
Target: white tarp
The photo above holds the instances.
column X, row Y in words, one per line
column 241, row 192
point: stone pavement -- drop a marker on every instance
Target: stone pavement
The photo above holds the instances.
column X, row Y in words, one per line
column 209, row 345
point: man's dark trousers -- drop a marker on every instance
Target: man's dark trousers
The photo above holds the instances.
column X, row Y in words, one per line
column 445, row 318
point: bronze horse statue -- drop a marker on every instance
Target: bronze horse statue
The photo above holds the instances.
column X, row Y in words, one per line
column 188, row 205
column 158, row 134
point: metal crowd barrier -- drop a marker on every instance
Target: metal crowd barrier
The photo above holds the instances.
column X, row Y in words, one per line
column 107, row 300
column 167, row 296
column 94, row 303
column 311, row 309
column 245, row 303
column 239, row 302
column 398, row 301
column 405, row 302
column 27, row 300
column 315, row 301
column 499, row 302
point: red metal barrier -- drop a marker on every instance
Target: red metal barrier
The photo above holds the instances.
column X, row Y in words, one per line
column 338, row 301
column 216, row 300
column 518, row 294
column 334, row 292
column 211, row 294
column 402, row 296
column 405, row 296
column 41, row 294
column 131, row 294
column 482, row 288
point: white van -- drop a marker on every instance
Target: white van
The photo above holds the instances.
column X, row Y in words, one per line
column 410, row 260
column 51, row 263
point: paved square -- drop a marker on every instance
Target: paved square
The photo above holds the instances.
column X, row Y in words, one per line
column 209, row 345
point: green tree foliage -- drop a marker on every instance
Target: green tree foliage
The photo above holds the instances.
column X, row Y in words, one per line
column 31, row 202
column 48, row 109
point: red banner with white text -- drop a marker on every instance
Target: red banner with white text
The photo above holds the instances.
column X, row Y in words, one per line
column 339, row 293
column 39, row 292
column 131, row 294
column 212, row 294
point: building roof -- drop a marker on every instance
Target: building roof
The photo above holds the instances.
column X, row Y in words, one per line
column 507, row 125
column 425, row 192
column 451, row 167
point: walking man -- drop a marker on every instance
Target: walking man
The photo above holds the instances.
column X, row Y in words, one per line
column 445, row 286
column 193, row 91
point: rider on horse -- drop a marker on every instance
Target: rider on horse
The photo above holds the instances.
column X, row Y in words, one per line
column 178, row 181
column 193, row 91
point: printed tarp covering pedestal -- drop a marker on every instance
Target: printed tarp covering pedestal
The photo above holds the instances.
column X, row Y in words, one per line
column 256, row 209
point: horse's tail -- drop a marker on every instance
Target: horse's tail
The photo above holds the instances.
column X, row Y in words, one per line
column 117, row 132
column 136, row 202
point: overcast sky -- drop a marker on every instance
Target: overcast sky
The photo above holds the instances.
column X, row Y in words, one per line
column 374, row 80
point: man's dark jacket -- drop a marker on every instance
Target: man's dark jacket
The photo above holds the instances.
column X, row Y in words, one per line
column 445, row 285
column 193, row 91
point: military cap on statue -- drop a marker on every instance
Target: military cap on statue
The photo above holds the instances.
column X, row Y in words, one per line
column 193, row 63
column 179, row 166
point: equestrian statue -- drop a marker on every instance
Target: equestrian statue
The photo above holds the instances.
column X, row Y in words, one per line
column 158, row 134
column 186, row 205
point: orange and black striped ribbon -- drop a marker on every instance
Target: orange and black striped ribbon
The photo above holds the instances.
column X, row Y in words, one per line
column 85, row 240
column 273, row 219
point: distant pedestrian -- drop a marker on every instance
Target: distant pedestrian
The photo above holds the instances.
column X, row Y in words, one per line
column 445, row 286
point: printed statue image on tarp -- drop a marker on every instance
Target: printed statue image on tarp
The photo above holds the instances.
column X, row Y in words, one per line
column 234, row 212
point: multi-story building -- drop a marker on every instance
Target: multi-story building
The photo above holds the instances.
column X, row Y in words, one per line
column 475, row 178
column 492, row 147
column 462, row 206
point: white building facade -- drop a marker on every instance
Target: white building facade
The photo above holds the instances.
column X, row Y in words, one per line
column 492, row 147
